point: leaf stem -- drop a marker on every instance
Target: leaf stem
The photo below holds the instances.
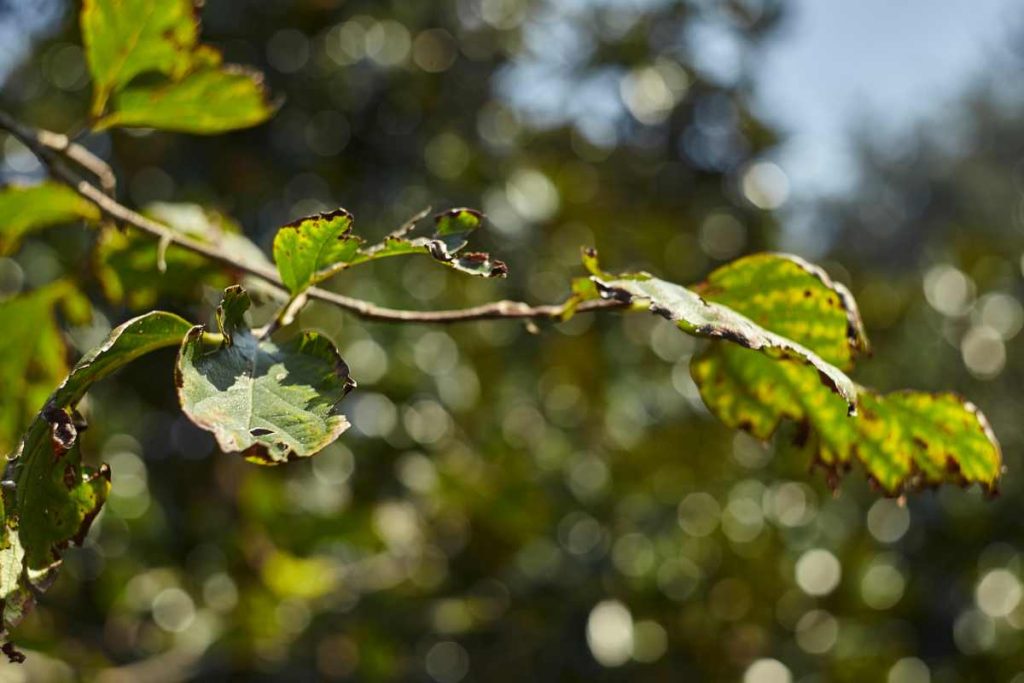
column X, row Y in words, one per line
column 53, row 149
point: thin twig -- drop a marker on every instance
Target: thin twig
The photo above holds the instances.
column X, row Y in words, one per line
column 52, row 157
column 81, row 156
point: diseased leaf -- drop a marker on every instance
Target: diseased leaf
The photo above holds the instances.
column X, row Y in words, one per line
column 55, row 498
column 271, row 401
column 126, row 38
column 128, row 264
column 24, row 209
column 205, row 102
column 704, row 318
column 905, row 440
column 451, row 234
column 312, row 249
column 795, row 299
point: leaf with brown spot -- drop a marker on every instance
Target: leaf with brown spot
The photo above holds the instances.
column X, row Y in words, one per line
column 905, row 440
column 51, row 499
column 312, row 249
column 272, row 401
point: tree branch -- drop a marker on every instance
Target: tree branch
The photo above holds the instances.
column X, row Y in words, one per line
column 81, row 156
column 53, row 148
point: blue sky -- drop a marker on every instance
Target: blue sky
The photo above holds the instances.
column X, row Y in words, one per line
column 896, row 61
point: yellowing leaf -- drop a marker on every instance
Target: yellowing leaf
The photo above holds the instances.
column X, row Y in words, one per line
column 151, row 71
column 126, row 38
column 792, row 298
column 905, row 440
column 208, row 101
column 702, row 318
column 24, row 209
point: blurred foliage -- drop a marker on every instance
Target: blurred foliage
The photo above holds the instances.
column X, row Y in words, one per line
column 511, row 505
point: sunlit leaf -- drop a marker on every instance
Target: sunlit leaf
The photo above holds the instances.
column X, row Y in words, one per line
column 150, row 70
column 704, row 318
column 451, row 234
column 905, row 440
column 271, row 401
column 55, row 498
column 24, row 209
column 792, row 298
column 207, row 101
column 313, row 249
column 126, row 38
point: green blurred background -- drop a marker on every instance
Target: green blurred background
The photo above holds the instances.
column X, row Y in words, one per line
column 559, row 505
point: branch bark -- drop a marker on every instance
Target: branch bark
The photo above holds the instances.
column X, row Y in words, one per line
column 53, row 149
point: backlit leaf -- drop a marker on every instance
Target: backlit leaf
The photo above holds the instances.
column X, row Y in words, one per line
column 451, row 234
column 704, row 318
column 792, row 298
column 271, row 401
column 34, row 207
column 905, row 440
column 313, row 249
column 151, row 71
column 126, row 38
column 207, row 101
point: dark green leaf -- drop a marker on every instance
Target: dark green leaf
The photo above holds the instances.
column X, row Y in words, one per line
column 271, row 401
column 55, row 498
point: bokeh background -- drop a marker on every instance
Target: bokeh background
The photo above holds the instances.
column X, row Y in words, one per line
column 511, row 505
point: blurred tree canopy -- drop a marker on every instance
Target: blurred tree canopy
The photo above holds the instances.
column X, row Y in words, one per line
column 511, row 505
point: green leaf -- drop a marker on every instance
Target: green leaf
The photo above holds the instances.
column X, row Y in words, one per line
column 24, row 209
column 34, row 357
column 55, row 498
column 905, row 440
column 451, row 234
column 271, row 401
column 128, row 264
column 126, row 342
column 126, row 38
column 705, row 318
column 150, row 69
column 312, row 249
column 205, row 102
